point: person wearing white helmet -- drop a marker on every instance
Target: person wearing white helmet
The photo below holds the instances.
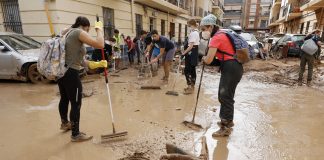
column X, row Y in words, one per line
column 231, row 72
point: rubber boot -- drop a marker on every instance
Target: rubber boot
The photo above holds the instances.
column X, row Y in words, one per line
column 225, row 128
column 189, row 90
column 225, row 123
column 309, row 83
column 66, row 126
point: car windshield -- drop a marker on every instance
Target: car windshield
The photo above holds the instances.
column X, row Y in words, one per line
column 298, row 38
column 248, row 37
column 20, row 42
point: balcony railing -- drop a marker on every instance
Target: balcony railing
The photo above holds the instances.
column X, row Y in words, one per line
column 265, row 13
column 184, row 4
column 219, row 4
column 233, row 13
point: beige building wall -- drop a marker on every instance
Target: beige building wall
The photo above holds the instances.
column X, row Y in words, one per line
column 64, row 12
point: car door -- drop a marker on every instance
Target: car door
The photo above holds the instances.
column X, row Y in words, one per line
column 7, row 67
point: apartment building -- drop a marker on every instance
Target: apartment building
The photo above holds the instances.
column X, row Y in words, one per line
column 296, row 16
column 40, row 19
column 205, row 7
column 256, row 15
column 233, row 13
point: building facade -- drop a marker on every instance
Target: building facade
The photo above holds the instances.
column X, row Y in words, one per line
column 42, row 18
column 296, row 16
column 256, row 15
column 233, row 13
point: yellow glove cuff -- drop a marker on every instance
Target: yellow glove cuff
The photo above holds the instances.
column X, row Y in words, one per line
column 99, row 25
column 101, row 64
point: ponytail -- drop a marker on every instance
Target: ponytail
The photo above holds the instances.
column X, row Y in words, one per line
column 81, row 21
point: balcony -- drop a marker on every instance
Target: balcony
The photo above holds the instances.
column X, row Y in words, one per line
column 294, row 12
column 274, row 21
column 311, row 5
column 218, row 9
column 233, row 14
column 171, row 6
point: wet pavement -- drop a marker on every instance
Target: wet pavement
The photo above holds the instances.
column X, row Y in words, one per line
column 272, row 121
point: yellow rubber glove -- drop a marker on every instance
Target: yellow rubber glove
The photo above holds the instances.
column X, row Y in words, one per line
column 100, row 64
column 99, row 25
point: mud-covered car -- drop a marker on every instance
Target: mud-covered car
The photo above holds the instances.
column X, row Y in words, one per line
column 18, row 58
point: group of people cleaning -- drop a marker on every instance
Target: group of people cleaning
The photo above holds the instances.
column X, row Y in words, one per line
column 231, row 70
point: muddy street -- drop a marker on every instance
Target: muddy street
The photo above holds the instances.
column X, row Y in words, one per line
column 274, row 118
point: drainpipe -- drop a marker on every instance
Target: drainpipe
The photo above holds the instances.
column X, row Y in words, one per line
column 49, row 19
column 132, row 17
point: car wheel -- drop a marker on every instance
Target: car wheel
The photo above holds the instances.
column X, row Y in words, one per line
column 34, row 76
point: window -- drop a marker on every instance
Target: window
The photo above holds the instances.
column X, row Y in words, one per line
column 314, row 25
column 152, row 24
column 11, row 16
column 172, row 30
column 163, row 27
column 139, row 24
column 253, row 8
column 179, row 35
column 186, row 30
column 307, row 27
column 301, row 28
column 263, row 23
column 108, row 20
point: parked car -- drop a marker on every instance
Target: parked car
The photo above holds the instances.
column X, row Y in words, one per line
column 273, row 38
column 288, row 45
column 254, row 43
column 18, row 58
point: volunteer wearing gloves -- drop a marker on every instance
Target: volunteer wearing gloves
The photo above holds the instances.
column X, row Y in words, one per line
column 70, row 84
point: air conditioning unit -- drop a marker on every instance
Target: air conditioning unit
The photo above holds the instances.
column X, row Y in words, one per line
column 154, row 13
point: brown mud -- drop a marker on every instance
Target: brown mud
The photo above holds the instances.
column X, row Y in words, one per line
column 273, row 119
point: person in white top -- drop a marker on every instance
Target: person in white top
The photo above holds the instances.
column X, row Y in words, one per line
column 191, row 56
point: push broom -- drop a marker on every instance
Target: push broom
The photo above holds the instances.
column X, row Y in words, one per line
column 191, row 124
column 114, row 134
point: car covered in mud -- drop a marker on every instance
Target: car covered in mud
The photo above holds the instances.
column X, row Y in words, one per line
column 18, row 58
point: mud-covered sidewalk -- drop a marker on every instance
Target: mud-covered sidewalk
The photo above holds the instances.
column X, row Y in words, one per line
column 274, row 119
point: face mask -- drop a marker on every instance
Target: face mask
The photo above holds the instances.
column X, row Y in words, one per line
column 205, row 35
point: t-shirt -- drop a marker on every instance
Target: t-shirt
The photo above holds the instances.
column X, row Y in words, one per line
column 75, row 50
column 118, row 41
column 156, row 51
column 164, row 43
column 194, row 37
column 223, row 43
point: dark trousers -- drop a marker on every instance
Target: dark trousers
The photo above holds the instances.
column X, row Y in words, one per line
column 71, row 92
column 131, row 57
column 231, row 74
column 309, row 59
column 190, row 73
column 138, row 53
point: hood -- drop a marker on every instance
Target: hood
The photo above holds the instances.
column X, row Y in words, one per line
column 31, row 54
